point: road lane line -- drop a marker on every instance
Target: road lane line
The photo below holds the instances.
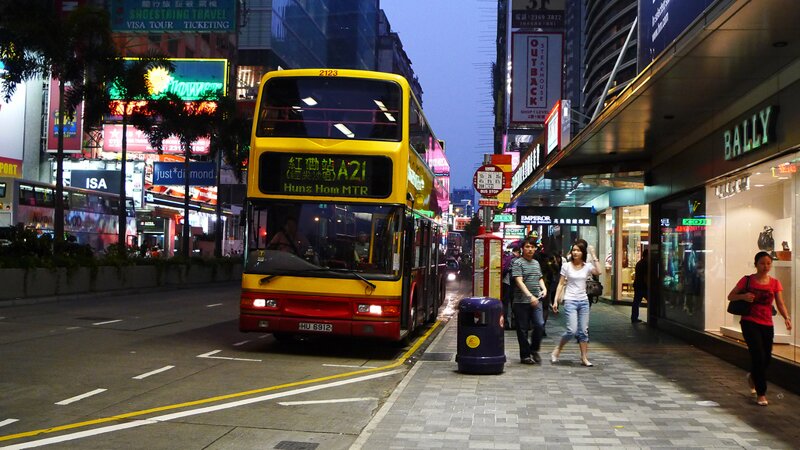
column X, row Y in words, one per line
column 107, row 322
column 325, row 402
column 348, row 366
column 214, row 352
column 241, row 343
column 8, row 422
column 194, row 412
column 80, row 397
column 213, row 305
column 397, row 363
column 145, row 375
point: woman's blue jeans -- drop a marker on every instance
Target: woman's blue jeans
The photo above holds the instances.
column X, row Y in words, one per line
column 577, row 314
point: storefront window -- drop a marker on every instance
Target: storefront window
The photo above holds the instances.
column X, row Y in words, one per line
column 605, row 225
column 750, row 212
column 681, row 265
column 634, row 238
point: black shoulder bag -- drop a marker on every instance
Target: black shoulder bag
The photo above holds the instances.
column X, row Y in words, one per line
column 741, row 307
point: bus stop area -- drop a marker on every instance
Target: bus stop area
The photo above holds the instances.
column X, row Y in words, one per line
column 646, row 389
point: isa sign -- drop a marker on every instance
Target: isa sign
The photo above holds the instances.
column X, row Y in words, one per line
column 171, row 174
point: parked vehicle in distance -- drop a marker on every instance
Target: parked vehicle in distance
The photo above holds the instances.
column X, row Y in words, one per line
column 452, row 269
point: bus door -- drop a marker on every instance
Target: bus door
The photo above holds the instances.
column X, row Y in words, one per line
column 426, row 272
column 409, row 233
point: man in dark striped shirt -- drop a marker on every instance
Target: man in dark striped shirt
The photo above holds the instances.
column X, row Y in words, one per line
column 526, row 273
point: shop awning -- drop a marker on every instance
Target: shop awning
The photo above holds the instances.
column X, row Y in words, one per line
column 701, row 81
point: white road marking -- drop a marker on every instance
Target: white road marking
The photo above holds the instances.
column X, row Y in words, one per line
column 8, row 422
column 145, row 375
column 194, row 412
column 107, row 321
column 80, row 397
column 323, row 402
column 241, row 343
column 214, row 352
column 213, row 305
column 348, row 366
column 73, row 328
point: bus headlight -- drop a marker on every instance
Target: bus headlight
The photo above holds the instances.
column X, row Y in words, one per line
column 451, row 276
column 265, row 303
column 370, row 309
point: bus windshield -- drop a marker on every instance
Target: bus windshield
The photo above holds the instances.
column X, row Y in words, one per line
column 330, row 107
column 323, row 239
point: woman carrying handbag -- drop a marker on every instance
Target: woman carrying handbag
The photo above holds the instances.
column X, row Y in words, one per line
column 761, row 290
column 571, row 292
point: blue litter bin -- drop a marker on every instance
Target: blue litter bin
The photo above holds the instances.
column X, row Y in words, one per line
column 481, row 345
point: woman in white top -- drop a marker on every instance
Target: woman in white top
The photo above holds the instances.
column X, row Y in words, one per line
column 571, row 292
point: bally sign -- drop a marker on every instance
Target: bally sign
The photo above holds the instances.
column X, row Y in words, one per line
column 753, row 132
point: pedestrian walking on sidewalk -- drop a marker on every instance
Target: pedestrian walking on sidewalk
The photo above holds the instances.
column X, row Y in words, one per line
column 639, row 286
column 572, row 294
column 761, row 290
column 529, row 288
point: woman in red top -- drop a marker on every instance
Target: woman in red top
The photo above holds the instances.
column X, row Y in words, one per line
column 757, row 327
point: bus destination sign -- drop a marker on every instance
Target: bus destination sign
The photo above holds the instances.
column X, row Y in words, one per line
column 325, row 175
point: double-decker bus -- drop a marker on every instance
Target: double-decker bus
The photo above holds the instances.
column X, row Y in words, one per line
column 90, row 217
column 341, row 216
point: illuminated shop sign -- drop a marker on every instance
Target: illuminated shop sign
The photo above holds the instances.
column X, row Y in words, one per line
column 503, row 218
column 526, row 167
column 325, row 175
column 783, row 170
column 555, row 215
column 171, row 174
column 750, row 134
column 732, row 187
column 196, row 16
column 190, row 79
column 697, row 222
column 558, row 126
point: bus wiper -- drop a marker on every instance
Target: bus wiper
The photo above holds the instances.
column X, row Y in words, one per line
column 357, row 275
column 267, row 278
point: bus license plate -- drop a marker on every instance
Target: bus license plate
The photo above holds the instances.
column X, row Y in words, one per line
column 323, row 327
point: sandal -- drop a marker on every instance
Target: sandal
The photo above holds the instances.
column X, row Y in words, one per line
column 763, row 402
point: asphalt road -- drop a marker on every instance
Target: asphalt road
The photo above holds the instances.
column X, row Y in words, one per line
column 170, row 369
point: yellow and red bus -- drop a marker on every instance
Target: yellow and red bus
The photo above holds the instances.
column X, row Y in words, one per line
column 340, row 157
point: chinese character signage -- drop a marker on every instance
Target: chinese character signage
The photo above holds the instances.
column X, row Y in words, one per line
column 535, row 76
column 540, row 15
column 163, row 16
column 555, row 215
column 325, row 175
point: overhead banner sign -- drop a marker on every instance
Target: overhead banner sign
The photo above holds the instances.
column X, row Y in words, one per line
column 555, row 215
column 661, row 21
column 187, row 16
column 171, row 173
column 72, row 125
column 535, row 76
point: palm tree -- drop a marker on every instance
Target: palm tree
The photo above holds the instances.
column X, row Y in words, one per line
column 126, row 91
column 39, row 40
column 188, row 121
column 230, row 140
